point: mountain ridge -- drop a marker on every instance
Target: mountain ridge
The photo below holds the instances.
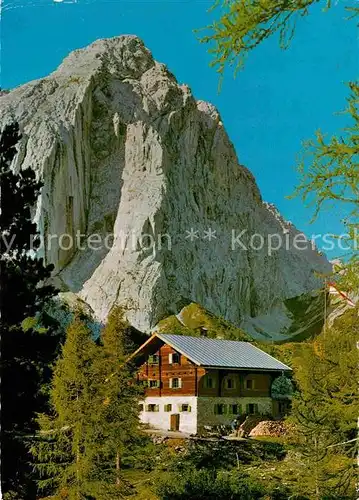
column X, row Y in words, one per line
column 124, row 150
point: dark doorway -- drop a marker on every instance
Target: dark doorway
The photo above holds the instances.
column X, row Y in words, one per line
column 175, row 421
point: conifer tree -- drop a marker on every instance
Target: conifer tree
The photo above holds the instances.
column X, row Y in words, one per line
column 244, row 24
column 94, row 415
column 118, row 413
column 21, row 273
column 326, row 408
column 65, row 450
column 25, row 355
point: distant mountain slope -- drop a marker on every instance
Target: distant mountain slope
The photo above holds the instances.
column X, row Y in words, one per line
column 195, row 320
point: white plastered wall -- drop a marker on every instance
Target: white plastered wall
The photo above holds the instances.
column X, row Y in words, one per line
column 161, row 419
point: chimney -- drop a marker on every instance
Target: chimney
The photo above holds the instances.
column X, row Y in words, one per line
column 204, row 331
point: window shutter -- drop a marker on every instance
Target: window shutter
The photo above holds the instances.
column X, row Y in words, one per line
column 247, row 409
column 158, row 383
column 157, row 407
column 224, row 409
column 170, row 383
column 189, row 408
column 179, row 383
column 250, row 385
column 170, row 359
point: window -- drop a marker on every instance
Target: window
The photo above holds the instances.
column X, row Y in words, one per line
column 175, row 383
column 229, row 383
column 249, row 383
column 220, row 409
column 153, row 383
column 234, row 409
column 209, row 382
column 168, row 407
column 174, row 358
column 252, row 409
column 153, row 408
column 153, row 359
column 185, row 408
column 140, row 407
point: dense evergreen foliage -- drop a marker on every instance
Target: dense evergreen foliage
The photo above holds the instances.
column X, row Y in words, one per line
column 119, row 393
column 21, row 274
column 325, row 409
column 211, row 485
column 93, row 417
column 26, row 352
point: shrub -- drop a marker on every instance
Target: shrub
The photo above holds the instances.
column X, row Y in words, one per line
column 211, row 485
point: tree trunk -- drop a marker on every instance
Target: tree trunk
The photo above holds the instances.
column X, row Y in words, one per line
column 118, row 467
column 317, row 491
column 78, row 458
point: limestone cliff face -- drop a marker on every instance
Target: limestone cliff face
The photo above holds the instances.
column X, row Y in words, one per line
column 122, row 148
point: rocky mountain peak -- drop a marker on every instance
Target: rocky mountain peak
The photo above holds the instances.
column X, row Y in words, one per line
column 130, row 158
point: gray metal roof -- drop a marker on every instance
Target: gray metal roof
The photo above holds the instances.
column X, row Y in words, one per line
column 222, row 353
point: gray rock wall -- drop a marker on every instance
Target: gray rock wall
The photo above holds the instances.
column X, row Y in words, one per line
column 122, row 148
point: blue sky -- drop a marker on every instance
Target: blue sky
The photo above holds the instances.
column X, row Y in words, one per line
column 276, row 102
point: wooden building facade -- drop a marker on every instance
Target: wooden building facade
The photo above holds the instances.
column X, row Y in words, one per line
column 192, row 382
